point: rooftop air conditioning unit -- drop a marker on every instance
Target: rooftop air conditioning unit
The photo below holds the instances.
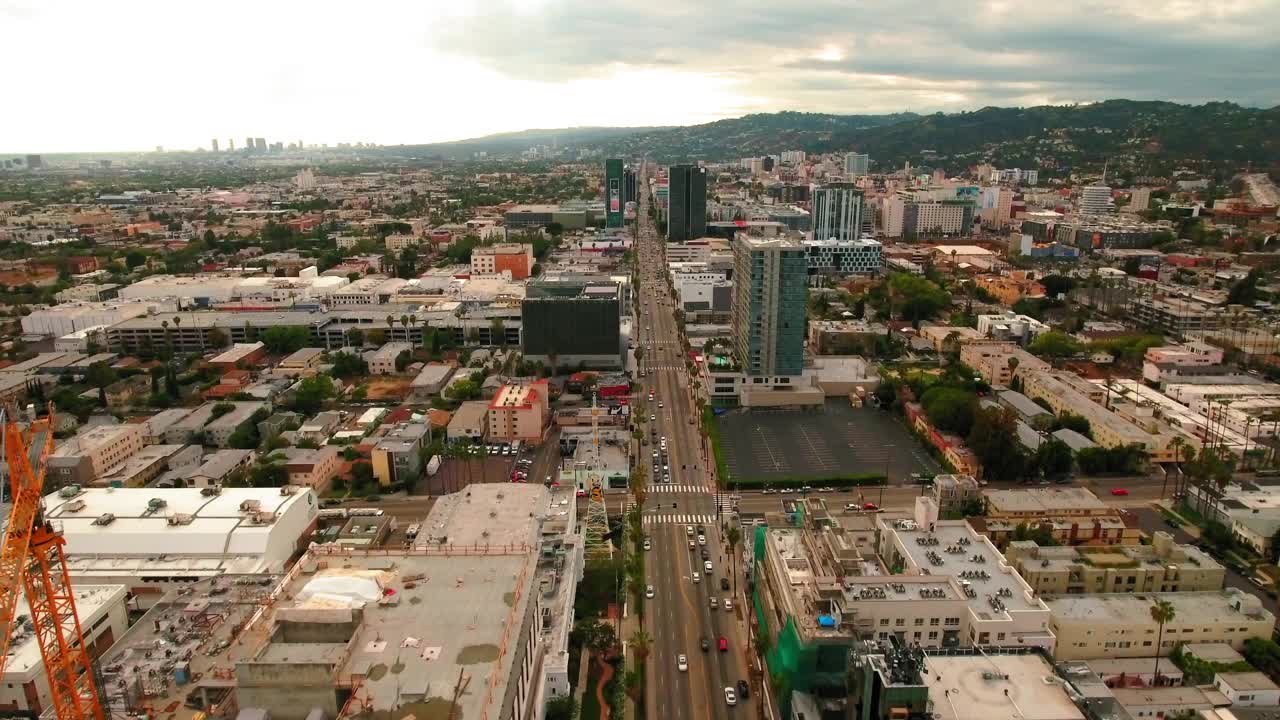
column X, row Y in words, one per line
column 264, row 518
column 105, row 519
column 214, row 489
column 75, row 505
column 180, row 519
column 155, row 504
column 69, row 491
column 250, row 506
column 288, row 489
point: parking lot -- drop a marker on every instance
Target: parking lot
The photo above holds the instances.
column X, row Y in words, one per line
column 455, row 474
column 838, row 440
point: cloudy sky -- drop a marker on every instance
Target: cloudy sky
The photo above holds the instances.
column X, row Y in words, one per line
column 133, row 74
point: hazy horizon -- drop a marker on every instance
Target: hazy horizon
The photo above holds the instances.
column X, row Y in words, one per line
column 99, row 79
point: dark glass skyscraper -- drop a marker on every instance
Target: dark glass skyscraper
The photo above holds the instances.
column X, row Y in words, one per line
column 614, row 193
column 687, row 203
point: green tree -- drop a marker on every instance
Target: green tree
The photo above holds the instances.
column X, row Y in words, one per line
column 361, row 474
column 1071, row 421
column 1054, row 344
column 100, row 375
column 134, row 259
column 285, row 340
column 1053, row 458
column 994, row 440
column 562, row 707
column 950, row 409
column 348, row 365
column 1161, row 612
column 269, row 474
column 311, row 394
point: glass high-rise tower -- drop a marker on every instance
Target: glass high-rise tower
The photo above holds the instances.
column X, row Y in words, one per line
column 770, row 288
column 687, row 203
column 614, row 193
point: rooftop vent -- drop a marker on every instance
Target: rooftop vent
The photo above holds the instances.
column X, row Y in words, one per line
column 155, row 504
column 212, row 490
column 180, row 519
column 105, row 519
column 288, row 489
column 252, row 506
column 69, row 491
column 75, row 505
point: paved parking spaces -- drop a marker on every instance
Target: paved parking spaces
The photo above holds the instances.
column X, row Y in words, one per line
column 839, row 439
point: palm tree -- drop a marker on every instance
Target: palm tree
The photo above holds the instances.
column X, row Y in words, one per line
column 552, row 357
column 391, row 326
column 1161, row 612
column 641, row 642
column 404, row 324
column 413, row 323
column 168, row 339
column 734, row 537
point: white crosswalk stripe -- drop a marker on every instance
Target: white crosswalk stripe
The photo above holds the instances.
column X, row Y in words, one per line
column 667, row 518
column 664, row 488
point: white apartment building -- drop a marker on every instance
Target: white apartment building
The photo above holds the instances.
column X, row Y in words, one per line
column 861, row 256
column 397, row 243
column 1096, row 200
column 383, row 360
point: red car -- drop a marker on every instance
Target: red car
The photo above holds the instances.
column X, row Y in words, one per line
column 1119, row 491
column 581, row 493
column 724, row 645
column 869, row 506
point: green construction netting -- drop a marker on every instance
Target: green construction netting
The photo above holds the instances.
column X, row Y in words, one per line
column 800, row 666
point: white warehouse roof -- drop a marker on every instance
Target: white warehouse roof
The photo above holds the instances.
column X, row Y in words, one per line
column 214, row 526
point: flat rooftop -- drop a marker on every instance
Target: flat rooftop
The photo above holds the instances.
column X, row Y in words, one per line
column 992, row 686
column 411, row 656
column 1208, row 606
column 24, row 649
column 1046, row 501
column 218, row 526
column 488, row 514
column 955, row 549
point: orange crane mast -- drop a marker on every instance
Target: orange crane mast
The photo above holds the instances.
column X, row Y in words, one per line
column 32, row 558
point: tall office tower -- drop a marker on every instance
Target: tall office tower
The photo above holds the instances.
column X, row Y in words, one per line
column 770, row 288
column 213, row 145
column 1095, row 200
column 34, row 162
column 231, row 144
column 260, row 144
column 629, row 185
column 687, row 213
column 767, row 163
column 856, row 165
column 613, row 193
column 248, row 143
column 837, row 212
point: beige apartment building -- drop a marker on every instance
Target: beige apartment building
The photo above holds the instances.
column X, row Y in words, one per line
column 520, row 412
column 1162, row 566
column 991, row 360
column 1119, row 625
column 92, row 453
column 515, row 258
column 383, row 360
column 313, row 469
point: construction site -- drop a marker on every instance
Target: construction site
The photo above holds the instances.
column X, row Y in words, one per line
column 462, row 625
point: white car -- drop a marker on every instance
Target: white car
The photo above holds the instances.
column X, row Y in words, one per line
column 688, row 531
column 702, row 539
column 648, row 591
column 714, row 603
column 653, row 418
column 730, row 697
column 707, row 566
column 728, row 604
column 659, row 404
column 682, row 663
column 647, row 544
column 697, row 578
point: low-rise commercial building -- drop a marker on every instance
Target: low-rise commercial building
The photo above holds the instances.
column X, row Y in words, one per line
column 239, row 355
column 513, row 258
column 1162, row 566
column 1120, row 625
column 470, row 422
column 24, row 687
column 155, row 539
column 397, row 458
column 311, row 468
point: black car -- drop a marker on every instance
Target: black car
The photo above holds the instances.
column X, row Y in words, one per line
column 724, row 583
column 744, row 691
column 706, row 644
column 705, row 555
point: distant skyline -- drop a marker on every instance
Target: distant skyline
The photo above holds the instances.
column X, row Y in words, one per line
column 102, row 77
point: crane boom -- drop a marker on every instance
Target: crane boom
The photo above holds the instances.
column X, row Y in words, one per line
column 32, row 557
column 25, row 487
